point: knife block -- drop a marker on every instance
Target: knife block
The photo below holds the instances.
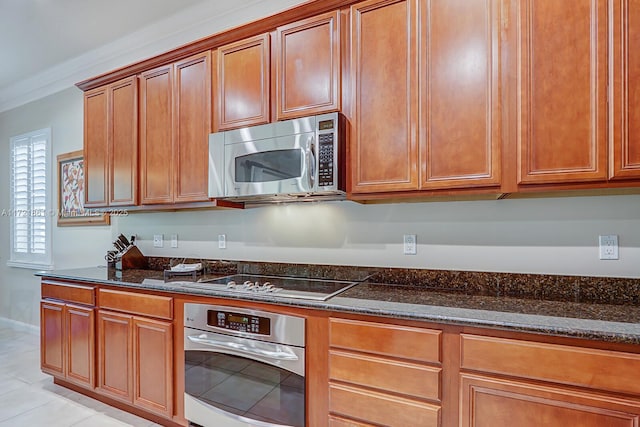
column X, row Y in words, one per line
column 131, row 257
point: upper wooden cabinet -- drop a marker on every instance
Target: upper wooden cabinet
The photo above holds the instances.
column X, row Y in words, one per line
column 384, row 64
column 562, row 87
column 111, row 144
column 175, row 120
column 426, row 95
column 624, row 151
column 242, row 82
column 307, row 64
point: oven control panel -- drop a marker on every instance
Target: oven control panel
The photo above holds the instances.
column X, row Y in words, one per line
column 239, row 322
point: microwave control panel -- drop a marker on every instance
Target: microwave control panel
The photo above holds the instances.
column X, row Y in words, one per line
column 239, row 322
column 326, row 152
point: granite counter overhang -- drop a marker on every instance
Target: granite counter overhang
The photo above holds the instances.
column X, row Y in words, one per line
column 602, row 322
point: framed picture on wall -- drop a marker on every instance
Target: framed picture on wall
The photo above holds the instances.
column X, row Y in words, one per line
column 71, row 186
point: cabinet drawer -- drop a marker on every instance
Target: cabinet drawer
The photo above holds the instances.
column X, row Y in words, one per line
column 146, row 305
column 389, row 340
column 68, row 292
column 587, row 367
column 386, row 375
column 381, row 409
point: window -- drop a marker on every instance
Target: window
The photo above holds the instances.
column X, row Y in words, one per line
column 30, row 200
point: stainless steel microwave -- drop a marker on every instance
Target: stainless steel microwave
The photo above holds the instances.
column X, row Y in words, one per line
column 298, row 159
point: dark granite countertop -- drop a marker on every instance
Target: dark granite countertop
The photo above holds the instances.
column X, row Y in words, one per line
column 571, row 318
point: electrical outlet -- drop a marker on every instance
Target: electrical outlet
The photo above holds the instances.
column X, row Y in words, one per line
column 410, row 244
column 222, row 241
column 609, row 246
column 174, row 240
column 158, row 240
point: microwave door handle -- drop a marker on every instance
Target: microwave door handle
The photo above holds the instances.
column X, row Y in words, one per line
column 311, row 163
column 277, row 354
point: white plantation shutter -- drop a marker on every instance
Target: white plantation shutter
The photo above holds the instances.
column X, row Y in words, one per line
column 30, row 201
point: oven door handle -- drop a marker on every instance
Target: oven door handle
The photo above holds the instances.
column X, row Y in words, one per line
column 279, row 353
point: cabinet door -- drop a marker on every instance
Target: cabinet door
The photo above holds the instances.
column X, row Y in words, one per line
column 460, row 79
column 562, row 93
column 384, row 63
column 307, row 55
column 624, row 155
column 123, row 122
column 96, row 147
column 156, row 136
column 80, row 344
column 52, row 348
column 192, row 127
column 153, row 365
column 115, row 373
column 488, row 402
column 242, row 94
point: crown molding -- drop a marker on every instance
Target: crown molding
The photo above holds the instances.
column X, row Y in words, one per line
column 170, row 33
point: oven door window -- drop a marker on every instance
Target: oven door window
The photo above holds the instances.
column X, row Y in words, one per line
column 268, row 166
column 244, row 387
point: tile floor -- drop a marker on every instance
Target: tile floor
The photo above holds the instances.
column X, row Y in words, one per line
column 30, row 398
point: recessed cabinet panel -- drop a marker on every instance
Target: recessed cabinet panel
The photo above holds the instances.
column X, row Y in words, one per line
column 243, row 83
column 96, row 147
column 115, row 374
column 156, row 136
column 624, row 160
column 308, row 66
column 52, row 347
column 80, row 345
column 384, row 61
column 193, row 125
column 562, row 133
column 461, row 105
column 123, row 176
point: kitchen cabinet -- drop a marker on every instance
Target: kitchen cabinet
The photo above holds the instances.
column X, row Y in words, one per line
column 175, row 121
column 242, row 89
column 426, row 95
column 562, row 123
column 624, row 151
column 67, row 333
column 507, row 382
column 383, row 374
column 307, row 63
column 111, row 144
column 135, row 351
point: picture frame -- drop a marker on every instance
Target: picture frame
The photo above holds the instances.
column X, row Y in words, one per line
column 71, row 187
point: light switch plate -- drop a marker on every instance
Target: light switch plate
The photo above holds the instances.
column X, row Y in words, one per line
column 410, row 244
column 222, row 241
column 174, row 240
column 158, row 240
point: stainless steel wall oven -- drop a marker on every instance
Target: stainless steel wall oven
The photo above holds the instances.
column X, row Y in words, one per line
column 243, row 367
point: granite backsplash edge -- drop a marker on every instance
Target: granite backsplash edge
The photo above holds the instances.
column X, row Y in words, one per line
column 547, row 287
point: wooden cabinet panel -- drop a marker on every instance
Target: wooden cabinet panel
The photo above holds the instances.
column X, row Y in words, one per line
column 308, row 66
column 115, row 374
column 52, row 339
column 67, row 292
column 342, row 422
column 488, row 402
column 600, row 369
column 136, row 303
column 624, row 154
column 156, row 136
column 461, row 100
column 192, row 126
column 381, row 408
column 562, row 51
column 96, row 147
column 243, row 83
column 153, row 365
column 80, row 351
column 385, row 375
column 384, row 65
column 123, row 121
column 390, row 340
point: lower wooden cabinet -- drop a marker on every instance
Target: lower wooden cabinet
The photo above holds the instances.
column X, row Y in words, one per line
column 135, row 359
column 382, row 374
column 492, row 402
